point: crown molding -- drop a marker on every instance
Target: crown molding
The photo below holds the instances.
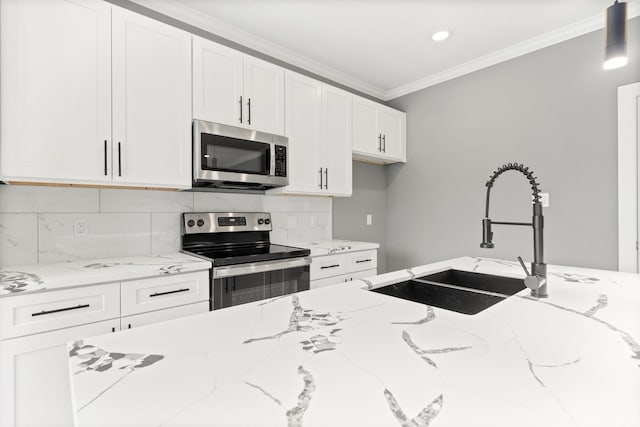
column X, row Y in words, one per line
column 184, row 13
column 536, row 43
column 177, row 10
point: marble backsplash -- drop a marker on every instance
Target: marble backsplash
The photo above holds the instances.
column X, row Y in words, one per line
column 37, row 224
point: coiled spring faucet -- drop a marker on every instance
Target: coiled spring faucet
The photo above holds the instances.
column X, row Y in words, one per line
column 537, row 279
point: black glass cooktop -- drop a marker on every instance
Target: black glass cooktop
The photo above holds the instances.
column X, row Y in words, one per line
column 245, row 254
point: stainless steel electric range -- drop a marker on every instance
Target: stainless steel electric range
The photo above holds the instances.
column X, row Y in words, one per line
column 246, row 265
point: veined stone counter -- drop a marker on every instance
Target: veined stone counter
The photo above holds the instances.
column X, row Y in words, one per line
column 344, row 356
column 332, row 247
column 21, row 280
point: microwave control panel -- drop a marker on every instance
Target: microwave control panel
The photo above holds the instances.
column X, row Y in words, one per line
column 281, row 161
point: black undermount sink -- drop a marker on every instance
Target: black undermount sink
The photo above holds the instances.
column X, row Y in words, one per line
column 462, row 291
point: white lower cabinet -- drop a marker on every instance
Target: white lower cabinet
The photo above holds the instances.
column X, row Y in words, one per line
column 35, row 328
column 35, row 389
column 129, row 322
column 333, row 269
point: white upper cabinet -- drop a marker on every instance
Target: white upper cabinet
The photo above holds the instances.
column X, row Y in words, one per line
column 303, row 108
column 232, row 88
column 217, row 83
column 337, row 138
column 55, row 90
column 378, row 132
column 151, row 102
column 93, row 94
column 318, row 126
column 264, row 90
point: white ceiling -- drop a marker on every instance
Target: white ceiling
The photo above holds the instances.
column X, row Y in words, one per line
column 384, row 47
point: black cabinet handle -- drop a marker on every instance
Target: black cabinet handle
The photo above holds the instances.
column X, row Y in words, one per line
column 329, row 266
column 58, row 310
column 363, row 260
column 105, row 157
column 119, row 160
column 326, row 178
column 384, row 143
column 240, row 108
column 175, row 291
column 320, row 178
column 249, row 118
column 380, row 142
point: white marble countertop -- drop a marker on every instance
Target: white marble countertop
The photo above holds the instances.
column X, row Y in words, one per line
column 335, row 246
column 343, row 356
column 21, row 280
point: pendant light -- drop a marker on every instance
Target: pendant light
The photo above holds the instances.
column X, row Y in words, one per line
column 615, row 52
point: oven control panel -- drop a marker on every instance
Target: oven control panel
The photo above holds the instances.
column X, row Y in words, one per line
column 222, row 222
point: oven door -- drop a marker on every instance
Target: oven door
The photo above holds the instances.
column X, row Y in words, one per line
column 243, row 283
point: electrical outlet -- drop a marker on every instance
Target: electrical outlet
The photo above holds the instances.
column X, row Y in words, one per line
column 292, row 222
column 80, row 228
column 369, row 219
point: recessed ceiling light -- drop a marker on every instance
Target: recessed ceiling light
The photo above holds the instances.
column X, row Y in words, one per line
column 440, row 35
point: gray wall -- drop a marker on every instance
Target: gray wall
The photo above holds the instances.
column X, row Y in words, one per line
column 369, row 197
column 555, row 111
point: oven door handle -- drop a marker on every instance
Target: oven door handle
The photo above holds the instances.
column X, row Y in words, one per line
column 259, row 267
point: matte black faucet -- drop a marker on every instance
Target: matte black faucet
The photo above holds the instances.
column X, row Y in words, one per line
column 537, row 279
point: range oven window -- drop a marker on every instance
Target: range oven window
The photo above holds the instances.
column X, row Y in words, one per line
column 230, row 291
column 223, row 153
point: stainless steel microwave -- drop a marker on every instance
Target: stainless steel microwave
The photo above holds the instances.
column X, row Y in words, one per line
column 235, row 158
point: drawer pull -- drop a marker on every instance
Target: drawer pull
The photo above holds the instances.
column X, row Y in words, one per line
column 363, row 260
column 157, row 294
column 329, row 266
column 58, row 310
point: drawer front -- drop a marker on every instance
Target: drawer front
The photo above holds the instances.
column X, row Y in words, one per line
column 129, row 322
column 321, row 283
column 141, row 296
column 363, row 260
column 46, row 311
column 327, row 266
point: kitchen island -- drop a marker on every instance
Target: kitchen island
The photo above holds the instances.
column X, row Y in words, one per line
column 343, row 355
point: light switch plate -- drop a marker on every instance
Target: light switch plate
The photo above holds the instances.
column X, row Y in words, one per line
column 544, row 199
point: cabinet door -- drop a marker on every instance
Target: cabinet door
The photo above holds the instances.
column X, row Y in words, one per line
column 264, row 93
column 34, row 376
column 366, row 137
column 337, row 137
column 129, row 322
column 304, row 121
column 151, row 102
column 217, row 83
column 391, row 125
column 55, row 80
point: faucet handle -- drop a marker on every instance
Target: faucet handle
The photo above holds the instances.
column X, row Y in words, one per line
column 524, row 267
column 532, row 282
